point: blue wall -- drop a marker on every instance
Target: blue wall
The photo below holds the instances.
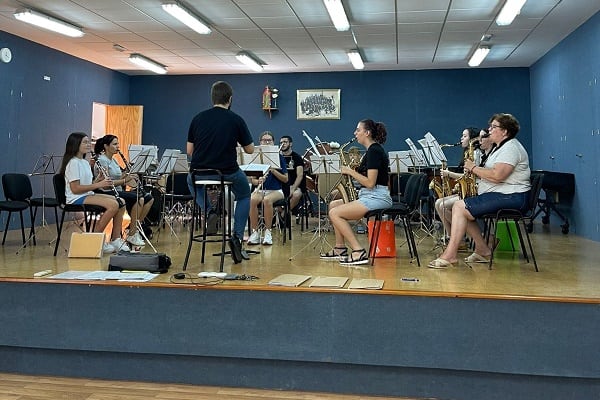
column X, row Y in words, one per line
column 565, row 94
column 38, row 114
column 411, row 103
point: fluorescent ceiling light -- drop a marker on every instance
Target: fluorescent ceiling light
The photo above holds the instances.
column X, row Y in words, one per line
column 338, row 16
column 187, row 17
column 356, row 59
column 478, row 56
column 509, row 12
column 249, row 61
column 147, row 63
column 48, row 22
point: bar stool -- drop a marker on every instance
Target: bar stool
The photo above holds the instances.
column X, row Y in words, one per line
column 210, row 177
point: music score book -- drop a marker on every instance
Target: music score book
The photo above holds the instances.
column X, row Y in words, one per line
column 329, row 281
column 289, row 280
column 366, row 284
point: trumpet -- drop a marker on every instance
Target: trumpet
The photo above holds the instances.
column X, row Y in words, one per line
column 136, row 181
column 104, row 172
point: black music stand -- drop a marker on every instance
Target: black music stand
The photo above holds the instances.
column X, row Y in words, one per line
column 324, row 166
column 169, row 164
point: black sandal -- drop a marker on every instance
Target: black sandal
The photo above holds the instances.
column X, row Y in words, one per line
column 361, row 260
column 333, row 255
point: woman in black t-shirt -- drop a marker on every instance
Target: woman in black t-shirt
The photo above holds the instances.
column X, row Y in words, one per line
column 372, row 175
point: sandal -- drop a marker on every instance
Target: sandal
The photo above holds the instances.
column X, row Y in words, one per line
column 335, row 255
column 362, row 258
column 477, row 258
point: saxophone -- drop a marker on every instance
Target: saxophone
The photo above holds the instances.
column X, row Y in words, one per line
column 345, row 186
column 466, row 183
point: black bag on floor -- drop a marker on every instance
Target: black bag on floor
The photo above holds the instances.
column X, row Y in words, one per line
column 151, row 262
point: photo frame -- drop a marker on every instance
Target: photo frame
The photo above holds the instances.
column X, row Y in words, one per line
column 318, row 104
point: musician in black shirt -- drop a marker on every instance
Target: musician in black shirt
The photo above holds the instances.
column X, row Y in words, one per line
column 295, row 169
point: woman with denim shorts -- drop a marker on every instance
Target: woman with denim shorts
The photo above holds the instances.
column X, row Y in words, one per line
column 372, row 175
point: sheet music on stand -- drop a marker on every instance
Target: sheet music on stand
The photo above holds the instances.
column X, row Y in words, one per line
column 167, row 162
column 400, row 161
column 142, row 162
column 136, row 149
column 326, row 163
column 417, row 156
column 259, row 162
column 432, row 150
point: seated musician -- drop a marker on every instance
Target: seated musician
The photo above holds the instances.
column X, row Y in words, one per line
column 372, row 174
column 443, row 205
column 268, row 190
column 137, row 202
column 295, row 169
column 80, row 186
column 503, row 182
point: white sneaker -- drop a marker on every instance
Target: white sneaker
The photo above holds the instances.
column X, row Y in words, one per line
column 136, row 239
column 108, row 248
column 267, row 239
column 254, row 238
column 120, row 245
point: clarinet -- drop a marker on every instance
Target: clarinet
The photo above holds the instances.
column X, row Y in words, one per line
column 128, row 171
column 104, row 172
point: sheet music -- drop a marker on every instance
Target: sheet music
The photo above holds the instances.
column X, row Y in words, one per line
column 167, row 161
column 400, row 161
column 435, row 148
column 416, row 154
column 136, row 149
column 142, row 162
column 263, row 154
column 326, row 164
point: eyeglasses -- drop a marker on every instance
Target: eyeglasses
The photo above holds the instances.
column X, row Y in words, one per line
column 266, row 140
column 494, row 127
column 487, row 135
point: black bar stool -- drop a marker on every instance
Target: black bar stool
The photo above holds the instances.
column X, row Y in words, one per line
column 206, row 178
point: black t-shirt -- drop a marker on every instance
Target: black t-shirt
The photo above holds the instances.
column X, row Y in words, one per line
column 294, row 160
column 215, row 134
column 376, row 158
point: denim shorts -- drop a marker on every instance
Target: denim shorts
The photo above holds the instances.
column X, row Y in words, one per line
column 491, row 202
column 376, row 198
column 80, row 200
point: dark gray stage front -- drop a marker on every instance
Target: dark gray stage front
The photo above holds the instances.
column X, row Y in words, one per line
column 334, row 341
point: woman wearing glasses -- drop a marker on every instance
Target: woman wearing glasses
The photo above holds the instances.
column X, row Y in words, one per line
column 503, row 182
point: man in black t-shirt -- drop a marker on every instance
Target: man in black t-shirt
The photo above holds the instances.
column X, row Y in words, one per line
column 295, row 169
column 212, row 142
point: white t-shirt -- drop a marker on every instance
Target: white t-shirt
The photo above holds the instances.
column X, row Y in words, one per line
column 511, row 152
column 113, row 168
column 78, row 169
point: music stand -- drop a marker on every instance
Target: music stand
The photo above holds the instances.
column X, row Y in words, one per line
column 43, row 166
column 323, row 165
column 416, row 155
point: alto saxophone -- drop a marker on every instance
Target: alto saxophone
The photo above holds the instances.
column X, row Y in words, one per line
column 467, row 184
column 345, row 186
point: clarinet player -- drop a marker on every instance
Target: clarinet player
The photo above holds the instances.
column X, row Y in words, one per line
column 80, row 186
column 137, row 202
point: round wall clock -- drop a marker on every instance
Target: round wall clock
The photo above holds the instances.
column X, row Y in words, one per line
column 5, row 55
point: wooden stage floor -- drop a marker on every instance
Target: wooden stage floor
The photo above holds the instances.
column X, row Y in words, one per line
column 568, row 265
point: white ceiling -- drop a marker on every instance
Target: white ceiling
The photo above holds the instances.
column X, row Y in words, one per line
column 298, row 36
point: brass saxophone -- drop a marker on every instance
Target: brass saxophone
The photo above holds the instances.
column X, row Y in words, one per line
column 441, row 185
column 467, row 184
column 345, row 186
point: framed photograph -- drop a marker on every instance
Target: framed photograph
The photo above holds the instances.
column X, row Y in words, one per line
column 318, row 104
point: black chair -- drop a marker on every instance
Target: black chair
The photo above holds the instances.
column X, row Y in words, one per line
column 89, row 211
column 17, row 192
column 526, row 218
column 177, row 197
column 20, row 186
column 304, row 209
column 405, row 211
